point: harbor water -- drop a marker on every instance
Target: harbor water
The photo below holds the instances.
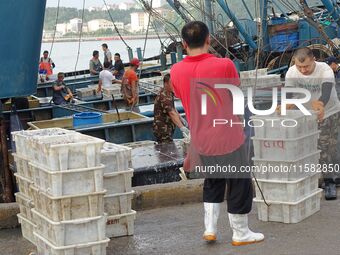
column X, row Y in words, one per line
column 64, row 54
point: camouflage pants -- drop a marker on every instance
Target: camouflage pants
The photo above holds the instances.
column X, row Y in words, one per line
column 162, row 132
column 328, row 142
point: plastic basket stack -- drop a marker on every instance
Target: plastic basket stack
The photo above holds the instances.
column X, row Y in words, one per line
column 59, row 173
column 260, row 77
column 284, row 159
column 117, row 182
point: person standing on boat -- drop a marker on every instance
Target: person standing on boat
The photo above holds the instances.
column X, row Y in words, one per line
column 222, row 145
column 61, row 93
column 95, row 65
column 107, row 54
column 118, row 67
column 166, row 117
column 129, row 87
column 105, row 77
column 318, row 78
column 46, row 65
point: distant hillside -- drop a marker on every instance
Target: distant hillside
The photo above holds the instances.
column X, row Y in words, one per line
column 65, row 14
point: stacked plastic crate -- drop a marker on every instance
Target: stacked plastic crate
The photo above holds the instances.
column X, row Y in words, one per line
column 67, row 191
column 286, row 158
column 117, row 182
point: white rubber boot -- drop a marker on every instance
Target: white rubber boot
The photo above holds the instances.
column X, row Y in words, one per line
column 242, row 235
column 211, row 213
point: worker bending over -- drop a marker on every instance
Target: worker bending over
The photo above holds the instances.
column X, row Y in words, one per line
column 61, row 93
column 166, row 117
column 318, row 78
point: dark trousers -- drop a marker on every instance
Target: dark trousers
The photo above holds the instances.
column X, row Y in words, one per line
column 239, row 188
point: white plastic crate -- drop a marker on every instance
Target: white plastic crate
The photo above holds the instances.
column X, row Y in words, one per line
column 69, row 152
column 287, row 191
column 21, row 138
column 289, row 212
column 252, row 73
column 24, row 185
column 118, row 182
column 21, row 166
column 262, row 81
column 285, row 149
column 271, row 126
column 112, row 90
column 68, row 207
column 70, row 182
column 70, row 232
column 115, row 157
column 118, row 203
column 286, row 170
column 27, row 228
column 44, row 247
column 25, row 206
column 120, row 225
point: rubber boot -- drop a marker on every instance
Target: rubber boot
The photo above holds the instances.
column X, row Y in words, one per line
column 211, row 213
column 242, row 235
column 330, row 191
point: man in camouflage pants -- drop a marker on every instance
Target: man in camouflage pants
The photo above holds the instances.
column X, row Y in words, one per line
column 166, row 117
column 319, row 79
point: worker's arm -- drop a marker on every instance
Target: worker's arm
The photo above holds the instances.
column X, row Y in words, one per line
column 134, row 85
column 69, row 92
column 117, row 81
column 100, row 83
column 326, row 92
column 175, row 118
column 58, row 88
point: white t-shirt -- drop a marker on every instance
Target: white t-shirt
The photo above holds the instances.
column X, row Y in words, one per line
column 106, row 77
column 313, row 82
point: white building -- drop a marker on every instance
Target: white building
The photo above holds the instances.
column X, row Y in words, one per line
column 139, row 21
column 62, row 28
column 97, row 24
column 119, row 25
column 75, row 25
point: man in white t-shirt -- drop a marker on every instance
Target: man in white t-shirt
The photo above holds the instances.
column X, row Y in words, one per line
column 319, row 79
column 105, row 77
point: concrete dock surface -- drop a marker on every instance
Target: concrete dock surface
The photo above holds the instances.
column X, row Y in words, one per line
column 179, row 229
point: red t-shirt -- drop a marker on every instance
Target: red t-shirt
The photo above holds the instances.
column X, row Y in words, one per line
column 197, row 75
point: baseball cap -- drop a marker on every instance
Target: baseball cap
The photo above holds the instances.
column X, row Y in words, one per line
column 331, row 60
column 134, row 62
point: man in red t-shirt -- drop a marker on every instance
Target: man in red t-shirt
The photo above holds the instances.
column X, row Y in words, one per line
column 222, row 145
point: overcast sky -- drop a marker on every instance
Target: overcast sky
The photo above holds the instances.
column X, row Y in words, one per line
column 79, row 3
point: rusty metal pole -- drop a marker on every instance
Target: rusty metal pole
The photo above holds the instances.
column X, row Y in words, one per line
column 7, row 176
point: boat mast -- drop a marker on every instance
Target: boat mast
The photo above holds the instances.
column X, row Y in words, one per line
column 209, row 20
column 237, row 23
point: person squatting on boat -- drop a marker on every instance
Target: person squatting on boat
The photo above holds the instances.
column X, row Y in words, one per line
column 46, row 66
column 214, row 145
column 118, row 67
column 166, row 117
column 318, row 78
column 95, row 64
column 106, row 78
column 107, row 54
column 61, row 93
column 129, row 87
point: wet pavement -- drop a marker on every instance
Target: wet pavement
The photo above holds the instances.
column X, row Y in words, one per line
column 178, row 230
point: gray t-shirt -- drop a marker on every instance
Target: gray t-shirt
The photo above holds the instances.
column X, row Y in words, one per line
column 96, row 65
